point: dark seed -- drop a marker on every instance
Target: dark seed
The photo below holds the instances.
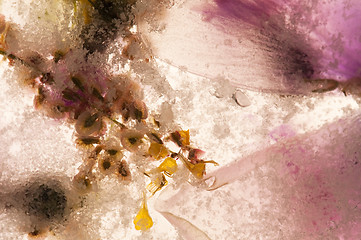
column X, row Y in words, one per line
column 138, row 114
column 106, row 164
column 191, row 154
column 156, row 138
column 89, row 140
column 97, row 94
column 122, row 170
column 132, row 140
column 77, row 82
column 324, row 85
column 58, row 55
column 138, row 110
column 91, row 120
column 97, row 150
column 70, row 95
column 87, row 182
column 112, row 151
column 60, row 108
column 176, row 137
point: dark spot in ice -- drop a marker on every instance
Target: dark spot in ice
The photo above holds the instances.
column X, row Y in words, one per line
column 45, row 202
column 97, row 37
column 35, row 59
column 34, row 233
column 111, row 14
column 86, row 182
column 113, row 9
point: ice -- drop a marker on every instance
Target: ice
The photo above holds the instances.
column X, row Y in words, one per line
column 288, row 164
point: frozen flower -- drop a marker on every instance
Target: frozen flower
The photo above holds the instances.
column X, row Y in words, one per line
column 78, row 87
column 131, row 139
column 88, row 123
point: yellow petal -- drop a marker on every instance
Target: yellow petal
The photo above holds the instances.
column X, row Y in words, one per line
column 142, row 220
column 157, row 150
column 184, row 137
column 157, row 184
column 169, row 165
column 198, row 169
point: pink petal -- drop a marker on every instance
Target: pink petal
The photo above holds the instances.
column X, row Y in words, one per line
column 305, row 187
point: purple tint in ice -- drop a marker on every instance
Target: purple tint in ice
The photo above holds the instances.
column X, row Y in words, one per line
column 282, row 132
column 339, row 38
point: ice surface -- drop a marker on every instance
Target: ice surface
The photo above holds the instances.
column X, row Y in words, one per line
column 288, row 164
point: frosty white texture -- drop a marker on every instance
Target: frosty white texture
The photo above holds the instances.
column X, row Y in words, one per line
column 281, row 184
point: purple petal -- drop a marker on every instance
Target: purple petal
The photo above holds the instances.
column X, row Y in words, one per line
column 252, row 12
column 264, row 45
column 217, row 47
